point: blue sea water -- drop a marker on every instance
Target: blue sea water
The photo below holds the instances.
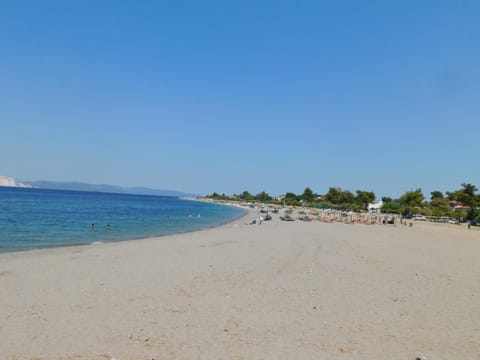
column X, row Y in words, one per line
column 37, row 218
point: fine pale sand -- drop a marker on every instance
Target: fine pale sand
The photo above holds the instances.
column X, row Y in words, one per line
column 281, row 290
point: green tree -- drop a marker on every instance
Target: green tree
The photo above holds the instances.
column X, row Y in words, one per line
column 436, row 195
column 291, row 199
column 346, row 197
column 469, row 189
column 246, row 196
column 411, row 200
column 474, row 214
column 364, row 198
column 440, row 207
column 308, row 195
column 333, row 195
column 339, row 197
column 263, row 197
column 216, row 196
column 460, row 215
column 390, row 207
column 466, row 195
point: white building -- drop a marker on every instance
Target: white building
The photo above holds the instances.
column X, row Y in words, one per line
column 375, row 207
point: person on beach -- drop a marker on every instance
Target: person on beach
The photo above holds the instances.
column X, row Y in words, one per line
column 257, row 220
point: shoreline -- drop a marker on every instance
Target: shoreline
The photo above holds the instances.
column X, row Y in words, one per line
column 112, row 241
column 68, row 247
column 242, row 220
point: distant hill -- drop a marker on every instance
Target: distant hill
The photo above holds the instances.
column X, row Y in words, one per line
column 79, row 186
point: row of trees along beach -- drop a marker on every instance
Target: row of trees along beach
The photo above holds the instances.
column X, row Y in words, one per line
column 462, row 204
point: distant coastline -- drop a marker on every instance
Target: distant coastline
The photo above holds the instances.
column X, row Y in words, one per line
column 81, row 186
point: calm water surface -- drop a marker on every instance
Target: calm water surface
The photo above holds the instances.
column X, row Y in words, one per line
column 37, row 218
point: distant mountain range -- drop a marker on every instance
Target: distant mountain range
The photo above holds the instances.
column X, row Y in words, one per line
column 79, row 186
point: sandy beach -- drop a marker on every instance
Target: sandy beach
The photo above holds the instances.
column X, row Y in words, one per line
column 280, row 290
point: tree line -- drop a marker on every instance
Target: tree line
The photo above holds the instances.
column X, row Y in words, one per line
column 461, row 204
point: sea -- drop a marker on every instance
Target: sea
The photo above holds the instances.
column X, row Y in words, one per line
column 39, row 218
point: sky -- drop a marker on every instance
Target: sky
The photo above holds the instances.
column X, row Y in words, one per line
column 227, row 96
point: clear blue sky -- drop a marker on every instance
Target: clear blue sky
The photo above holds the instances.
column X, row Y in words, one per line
column 227, row 96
